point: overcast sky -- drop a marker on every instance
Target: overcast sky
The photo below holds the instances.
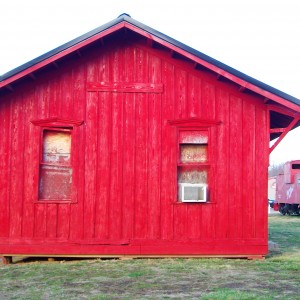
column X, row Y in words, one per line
column 258, row 37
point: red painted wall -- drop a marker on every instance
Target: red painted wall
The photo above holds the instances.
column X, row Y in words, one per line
column 125, row 154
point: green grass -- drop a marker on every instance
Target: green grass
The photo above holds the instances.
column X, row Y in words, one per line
column 276, row 277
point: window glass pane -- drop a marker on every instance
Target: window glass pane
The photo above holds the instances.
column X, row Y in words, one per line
column 192, row 176
column 56, row 147
column 192, row 153
column 55, row 182
column 193, row 137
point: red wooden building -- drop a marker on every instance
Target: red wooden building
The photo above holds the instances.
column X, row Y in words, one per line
column 125, row 141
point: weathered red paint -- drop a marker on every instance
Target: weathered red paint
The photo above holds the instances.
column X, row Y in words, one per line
column 130, row 107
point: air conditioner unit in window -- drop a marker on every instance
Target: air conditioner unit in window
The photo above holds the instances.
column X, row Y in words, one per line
column 192, row 192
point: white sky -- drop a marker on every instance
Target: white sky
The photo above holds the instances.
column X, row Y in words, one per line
column 258, row 37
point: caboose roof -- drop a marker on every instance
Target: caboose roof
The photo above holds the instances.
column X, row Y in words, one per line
column 124, row 21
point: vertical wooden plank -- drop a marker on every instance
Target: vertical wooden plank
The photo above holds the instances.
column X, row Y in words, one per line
column 17, row 167
column 208, row 101
column 194, row 221
column 180, row 93
column 169, row 147
column 116, row 170
column 194, row 96
column 4, row 167
column 104, row 150
column 154, row 154
column 40, row 221
column 180, row 221
column 31, row 157
column 235, row 169
column 65, row 94
column 91, row 160
column 116, row 159
column 52, row 220
column 129, row 147
column 222, row 164
column 248, row 167
column 91, row 154
column 54, row 93
column 260, row 217
column 103, row 171
column 79, row 102
column 42, row 100
column 63, row 220
column 141, row 149
column 181, row 210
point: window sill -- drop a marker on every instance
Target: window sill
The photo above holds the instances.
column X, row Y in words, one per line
column 55, row 202
column 193, row 203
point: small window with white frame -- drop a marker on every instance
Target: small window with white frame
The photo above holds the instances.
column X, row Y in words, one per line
column 193, row 166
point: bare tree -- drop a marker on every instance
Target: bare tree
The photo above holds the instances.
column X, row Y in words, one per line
column 275, row 169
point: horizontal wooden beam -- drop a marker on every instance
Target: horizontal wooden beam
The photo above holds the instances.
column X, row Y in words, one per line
column 125, row 87
column 275, row 130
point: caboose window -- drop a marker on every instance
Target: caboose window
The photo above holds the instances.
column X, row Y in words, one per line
column 295, row 166
column 55, row 171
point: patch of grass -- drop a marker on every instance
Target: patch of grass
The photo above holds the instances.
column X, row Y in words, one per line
column 276, row 277
column 232, row 294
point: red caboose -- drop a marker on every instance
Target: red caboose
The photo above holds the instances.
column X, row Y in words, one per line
column 125, row 141
column 287, row 199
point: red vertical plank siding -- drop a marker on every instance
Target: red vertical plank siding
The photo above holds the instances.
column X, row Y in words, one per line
column 17, row 167
column 141, row 148
column 91, row 162
column 248, row 169
column 43, row 97
column 4, row 167
column 31, row 157
column 194, row 99
column 116, row 167
column 63, row 221
column 116, row 159
column 261, row 172
column 40, row 221
column 168, row 153
column 128, row 186
column 235, row 168
column 222, row 165
column 180, row 93
column 128, row 167
column 103, row 177
column 154, row 154
column 103, row 152
column 180, row 210
column 79, row 103
column 52, row 220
